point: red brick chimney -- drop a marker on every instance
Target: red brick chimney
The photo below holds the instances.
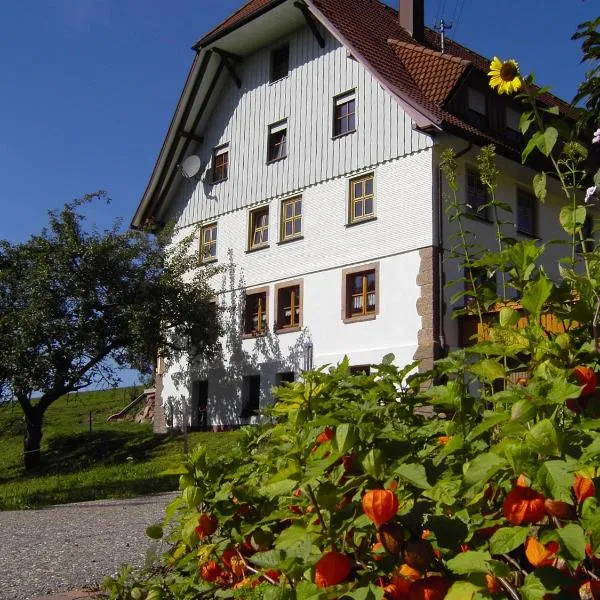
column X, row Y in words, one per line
column 412, row 17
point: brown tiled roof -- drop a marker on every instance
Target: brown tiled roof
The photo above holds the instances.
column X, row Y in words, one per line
column 417, row 71
column 436, row 74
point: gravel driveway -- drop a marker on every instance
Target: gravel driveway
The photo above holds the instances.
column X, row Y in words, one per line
column 73, row 546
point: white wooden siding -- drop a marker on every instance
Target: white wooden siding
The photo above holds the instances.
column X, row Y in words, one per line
column 241, row 118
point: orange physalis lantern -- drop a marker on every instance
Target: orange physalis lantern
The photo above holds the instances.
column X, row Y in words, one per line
column 380, row 506
column 332, row 568
column 583, row 488
column 523, row 505
column 429, row 588
column 207, row 525
column 587, row 378
column 538, row 554
column 210, row 571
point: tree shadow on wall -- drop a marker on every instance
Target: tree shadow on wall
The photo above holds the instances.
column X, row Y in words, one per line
column 236, row 358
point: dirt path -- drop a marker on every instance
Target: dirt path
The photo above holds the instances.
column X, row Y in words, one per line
column 73, row 546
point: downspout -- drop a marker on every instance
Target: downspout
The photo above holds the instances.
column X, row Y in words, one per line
column 440, row 245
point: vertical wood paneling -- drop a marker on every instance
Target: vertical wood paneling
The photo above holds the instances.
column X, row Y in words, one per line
column 240, row 117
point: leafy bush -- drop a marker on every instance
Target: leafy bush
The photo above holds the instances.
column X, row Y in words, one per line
column 466, row 482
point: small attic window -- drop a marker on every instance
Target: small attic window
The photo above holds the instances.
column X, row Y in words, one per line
column 477, row 107
column 280, row 63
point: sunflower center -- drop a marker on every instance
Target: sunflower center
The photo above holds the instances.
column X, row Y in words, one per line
column 509, row 71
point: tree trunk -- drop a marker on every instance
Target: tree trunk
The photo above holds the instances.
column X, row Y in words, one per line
column 33, row 440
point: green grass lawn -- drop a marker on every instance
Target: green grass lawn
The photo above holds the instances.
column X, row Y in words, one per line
column 115, row 460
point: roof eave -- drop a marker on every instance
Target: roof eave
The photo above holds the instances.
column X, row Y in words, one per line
column 210, row 38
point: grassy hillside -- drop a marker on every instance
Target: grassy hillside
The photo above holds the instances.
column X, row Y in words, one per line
column 115, row 460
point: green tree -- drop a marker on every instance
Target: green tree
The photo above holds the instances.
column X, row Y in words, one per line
column 77, row 305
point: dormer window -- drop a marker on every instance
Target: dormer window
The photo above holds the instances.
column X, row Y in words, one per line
column 280, row 63
column 477, row 107
column 512, row 119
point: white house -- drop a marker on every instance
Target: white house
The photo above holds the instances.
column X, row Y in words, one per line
column 318, row 127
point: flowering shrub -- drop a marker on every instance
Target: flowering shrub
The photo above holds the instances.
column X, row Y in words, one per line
column 357, row 492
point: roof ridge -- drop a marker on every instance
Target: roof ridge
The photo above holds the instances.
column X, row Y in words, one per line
column 425, row 50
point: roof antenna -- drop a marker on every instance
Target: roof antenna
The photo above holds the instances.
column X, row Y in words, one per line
column 442, row 28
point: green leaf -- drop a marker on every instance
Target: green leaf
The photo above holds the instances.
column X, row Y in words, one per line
column 450, row 532
column 531, row 144
column 366, row 593
column 414, row 473
column 597, row 179
column 509, row 317
column 482, row 467
column 572, row 542
column 590, row 520
column 533, row 588
column 270, row 559
column 556, row 478
column 507, row 539
column 488, row 369
column 305, row 590
column 192, row 495
column 525, row 121
column 461, row 590
column 444, row 491
column 388, row 359
column 546, row 142
column 542, row 438
column 523, row 411
column 345, row 437
column 485, row 425
column 448, row 395
column 572, row 220
column 539, row 186
column 155, row 531
column 279, row 488
column 470, row 562
column 372, row 463
column 536, row 294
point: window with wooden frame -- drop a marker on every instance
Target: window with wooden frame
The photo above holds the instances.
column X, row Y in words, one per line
column 288, row 307
column 277, row 143
column 526, row 213
column 280, row 63
column 220, row 162
column 258, row 235
column 256, row 309
column 344, row 114
column 362, row 199
column 360, row 293
column 477, row 196
column 250, row 396
column 477, row 107
column 291, row 218
column 208, row 243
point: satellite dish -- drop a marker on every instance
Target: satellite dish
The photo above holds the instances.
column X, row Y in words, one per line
column 191, row 166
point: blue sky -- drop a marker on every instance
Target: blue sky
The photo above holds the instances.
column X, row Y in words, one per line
column 88, row 87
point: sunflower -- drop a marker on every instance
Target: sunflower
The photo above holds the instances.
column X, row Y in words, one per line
column 505, row 76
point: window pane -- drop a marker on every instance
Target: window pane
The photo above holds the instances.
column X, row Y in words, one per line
column 369, row 206
column 369, row 187
column 351, row 122
column 289, row 210
column 297, row 225
column 358, row 189
column 358, row 209
column 371, row 281
column 298, row 207
column 288, row 228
